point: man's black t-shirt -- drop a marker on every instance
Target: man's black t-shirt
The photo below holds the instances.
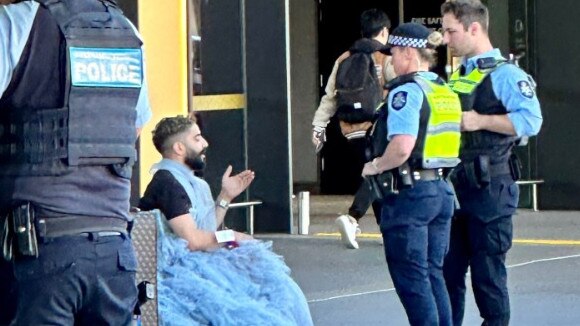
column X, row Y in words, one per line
column 166, row 194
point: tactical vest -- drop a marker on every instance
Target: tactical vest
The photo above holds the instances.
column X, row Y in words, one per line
column 72, row 98
column 476, row 93
column 438, row 140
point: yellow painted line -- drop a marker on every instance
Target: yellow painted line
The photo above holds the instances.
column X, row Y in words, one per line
column 549, row 242
column 218, row 102
column 554, row 242
column 362, row 235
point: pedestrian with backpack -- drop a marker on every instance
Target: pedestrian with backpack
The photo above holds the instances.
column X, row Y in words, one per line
column 353, row 92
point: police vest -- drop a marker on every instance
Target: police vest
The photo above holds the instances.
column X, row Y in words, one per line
column 476, row 93
column 438, row 140
column 72, row 99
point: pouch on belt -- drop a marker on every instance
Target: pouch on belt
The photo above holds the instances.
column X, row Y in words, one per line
column 24, row 230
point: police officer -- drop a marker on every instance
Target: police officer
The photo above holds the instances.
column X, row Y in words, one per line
column 422, row 141
column 500, row 105
column 72, row 99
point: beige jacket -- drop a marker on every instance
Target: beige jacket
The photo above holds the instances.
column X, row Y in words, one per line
column 327, row 107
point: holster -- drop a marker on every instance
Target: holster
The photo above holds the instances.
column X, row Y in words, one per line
column 404, row 175
column 515, row 167
column 382, row 185
column 24, row 232
column 474, row 174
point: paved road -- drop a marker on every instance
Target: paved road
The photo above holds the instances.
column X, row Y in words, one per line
column 353, row 287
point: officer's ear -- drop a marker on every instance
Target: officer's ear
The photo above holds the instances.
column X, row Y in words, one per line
column 474, row 28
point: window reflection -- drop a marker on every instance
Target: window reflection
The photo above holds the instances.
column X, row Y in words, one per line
column 194, row 23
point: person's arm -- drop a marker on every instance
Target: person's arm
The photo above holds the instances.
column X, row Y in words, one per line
column 518, row 94
column 404, row 105
column 327, row 107
column 165, row 193
column 516, row 91
column 397, row 152
column 232, row 186
column 143, row 106
column 185, row 227
column 16, row 22
column 500, row 123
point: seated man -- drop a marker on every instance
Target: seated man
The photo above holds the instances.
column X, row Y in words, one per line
column 204, row 276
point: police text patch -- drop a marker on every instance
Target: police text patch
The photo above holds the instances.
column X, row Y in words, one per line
column 399, row 100
column 526, row 89
column 104, row 67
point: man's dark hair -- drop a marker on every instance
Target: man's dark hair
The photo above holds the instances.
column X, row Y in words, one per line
column 372, row 21
column 169, row 129
column 467, row 12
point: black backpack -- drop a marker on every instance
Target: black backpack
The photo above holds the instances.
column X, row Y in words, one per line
column 358, row 90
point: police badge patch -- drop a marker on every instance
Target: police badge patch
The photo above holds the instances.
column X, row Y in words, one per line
column 526, row 89
column 106, row 67
column 399, row 100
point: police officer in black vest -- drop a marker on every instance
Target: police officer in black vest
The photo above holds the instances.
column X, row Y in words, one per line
column 72, row 100
column 500, row 106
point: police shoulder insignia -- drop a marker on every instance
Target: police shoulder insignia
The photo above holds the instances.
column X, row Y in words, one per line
column 399, row 100
column 526, row 89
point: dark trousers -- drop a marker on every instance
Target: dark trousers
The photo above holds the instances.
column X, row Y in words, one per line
column 7, row 292
column 363, row 199
column 481, row 235
column 415, row 226
column 77, row 280
column 361, row 202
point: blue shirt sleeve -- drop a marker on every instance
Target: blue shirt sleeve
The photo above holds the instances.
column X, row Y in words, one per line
column 15, row 24
column 516, row 91
column 143, row 106
column 404, row 103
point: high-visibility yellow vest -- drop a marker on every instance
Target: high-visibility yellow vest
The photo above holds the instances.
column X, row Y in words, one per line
column 468, row 83
column 439, row 136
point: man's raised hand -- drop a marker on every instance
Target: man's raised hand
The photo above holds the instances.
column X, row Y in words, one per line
column 233, row 185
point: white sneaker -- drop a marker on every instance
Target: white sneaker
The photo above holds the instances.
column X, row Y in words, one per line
column 348, row 227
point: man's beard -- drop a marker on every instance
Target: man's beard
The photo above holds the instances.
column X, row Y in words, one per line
column 194, row 160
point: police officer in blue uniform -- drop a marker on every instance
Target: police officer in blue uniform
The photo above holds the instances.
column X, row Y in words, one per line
column 500, row 106
column 72, row 100
column 415, row 139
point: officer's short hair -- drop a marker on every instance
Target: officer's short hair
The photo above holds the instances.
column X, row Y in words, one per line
column 372, row 21
column 168, row 130
column 467, row 12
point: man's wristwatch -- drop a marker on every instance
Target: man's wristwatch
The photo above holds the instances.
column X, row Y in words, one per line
column 223, row 203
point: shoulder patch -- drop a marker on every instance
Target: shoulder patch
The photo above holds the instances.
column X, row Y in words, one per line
column 399, row 100
column 526, row 89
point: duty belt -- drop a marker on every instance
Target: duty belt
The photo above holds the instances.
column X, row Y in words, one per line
column 20, row 229
column 427, row 175
column 79, row 225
